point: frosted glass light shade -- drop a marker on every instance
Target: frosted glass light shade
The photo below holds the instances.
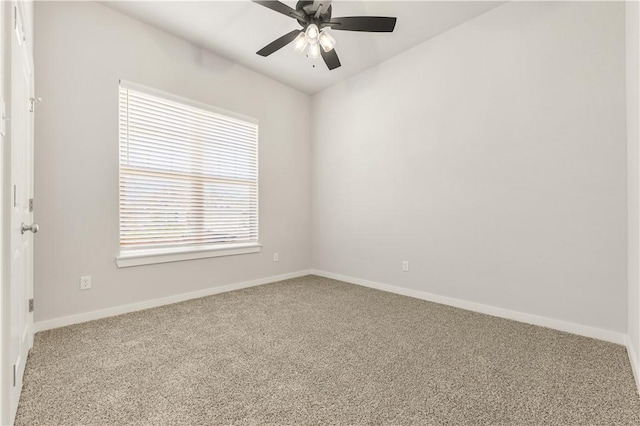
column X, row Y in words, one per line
column 312, row 34
column 327, row 41
column 300, row 43
column 314, row 50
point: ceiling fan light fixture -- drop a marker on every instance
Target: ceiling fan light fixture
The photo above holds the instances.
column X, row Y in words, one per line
column 327, row 41
column 300, row 42
column 314, row 50
column 315, row 18
column 312, row 34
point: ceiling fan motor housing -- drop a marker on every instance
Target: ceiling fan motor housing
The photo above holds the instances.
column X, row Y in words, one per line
column 306, row 7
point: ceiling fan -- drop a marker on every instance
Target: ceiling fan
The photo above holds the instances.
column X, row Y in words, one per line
column 315, row 19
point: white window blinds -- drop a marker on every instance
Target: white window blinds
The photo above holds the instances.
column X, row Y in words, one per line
column 188, row 175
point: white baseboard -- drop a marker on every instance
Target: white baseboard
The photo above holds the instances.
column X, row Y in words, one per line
column 119, row 310
column 583, row 330
column 634, row 360
column 569, row 327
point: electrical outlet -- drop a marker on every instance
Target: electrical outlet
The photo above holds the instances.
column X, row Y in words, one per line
column 405, row 265
column 85, row 282
column 276, row 257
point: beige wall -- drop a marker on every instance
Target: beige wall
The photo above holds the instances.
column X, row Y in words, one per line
column 633, row 161
column 493, row 158
column 82, row 49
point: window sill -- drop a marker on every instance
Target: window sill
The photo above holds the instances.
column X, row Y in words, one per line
column 148, row 257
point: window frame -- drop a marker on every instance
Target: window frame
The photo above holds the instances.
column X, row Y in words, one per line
column 145, row 256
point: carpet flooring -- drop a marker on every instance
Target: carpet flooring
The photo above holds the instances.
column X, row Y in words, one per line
column 317, row 351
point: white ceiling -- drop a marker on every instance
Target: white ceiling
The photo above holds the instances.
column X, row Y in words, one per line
column 238, row 29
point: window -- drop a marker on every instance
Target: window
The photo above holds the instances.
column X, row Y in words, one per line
column 188, row 179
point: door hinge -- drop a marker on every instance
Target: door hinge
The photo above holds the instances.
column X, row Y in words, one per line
column 30, row 205
column 32, row 103
column 30, row 305
column 15, row 367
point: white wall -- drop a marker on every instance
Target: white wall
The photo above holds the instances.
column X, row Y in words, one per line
column 492, row 157
column 633, row 161
column 82, row 49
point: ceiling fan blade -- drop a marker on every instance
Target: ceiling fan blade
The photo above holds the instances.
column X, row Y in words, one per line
column 376, row 24
column 330, row 58
column 282, row 8
column 279, row 43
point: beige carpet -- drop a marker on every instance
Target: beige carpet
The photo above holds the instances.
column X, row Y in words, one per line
column 318, row 351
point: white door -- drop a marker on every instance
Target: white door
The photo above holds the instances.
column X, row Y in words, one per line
column 22, row 228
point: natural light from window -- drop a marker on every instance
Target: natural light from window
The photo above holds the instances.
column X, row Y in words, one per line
column 188, row 176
